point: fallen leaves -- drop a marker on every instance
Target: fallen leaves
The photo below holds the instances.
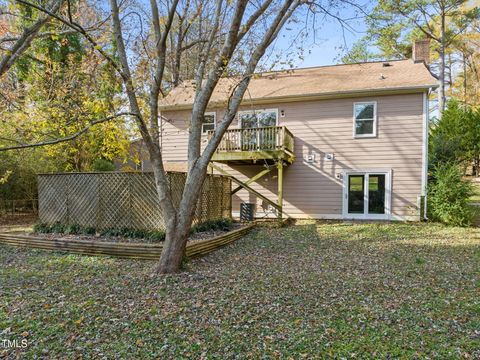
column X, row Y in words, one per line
column 307, row 291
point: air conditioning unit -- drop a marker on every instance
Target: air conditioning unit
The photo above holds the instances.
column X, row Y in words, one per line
column 247, row 212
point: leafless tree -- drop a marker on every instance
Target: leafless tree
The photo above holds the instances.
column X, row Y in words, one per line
column 230, row 26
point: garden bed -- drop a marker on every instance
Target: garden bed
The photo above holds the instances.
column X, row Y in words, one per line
column 98, row 237
column 91, row 245
column 211, row 227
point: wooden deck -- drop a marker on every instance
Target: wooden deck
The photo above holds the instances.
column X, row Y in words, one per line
column 248, row 146
column 271, row 145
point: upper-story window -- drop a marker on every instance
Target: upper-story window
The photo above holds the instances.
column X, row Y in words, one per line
column 365, row 119
column 209, row 122
column 258, row 118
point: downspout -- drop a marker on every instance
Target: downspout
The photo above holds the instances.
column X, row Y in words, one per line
column 425, row 153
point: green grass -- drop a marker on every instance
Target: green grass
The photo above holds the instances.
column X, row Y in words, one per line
column 476, row 196
column 311, row 290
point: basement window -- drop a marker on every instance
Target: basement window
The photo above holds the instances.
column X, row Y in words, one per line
column 365, row 119
column 209, row 121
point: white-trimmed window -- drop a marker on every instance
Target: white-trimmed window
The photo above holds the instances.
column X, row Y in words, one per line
column 258, row 118
column 209, row 122
column 365, row 119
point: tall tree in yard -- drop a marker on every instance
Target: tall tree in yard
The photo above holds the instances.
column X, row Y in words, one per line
column 393, row 25
column 56, row 86
column 229, row 38
column 466, row 86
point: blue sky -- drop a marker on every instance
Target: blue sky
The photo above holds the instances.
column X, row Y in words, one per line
column 326, row 49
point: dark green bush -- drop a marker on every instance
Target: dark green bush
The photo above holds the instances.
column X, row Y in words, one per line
column 41, row 228
column 57, row 228
column 72, row 229
column 224, row 224
column 88, row 230
column 156, row 235
column 54, row 228
column 153, row 235
column 111, row 232
column 448, row 196
column 456, row 137
column 103, row 165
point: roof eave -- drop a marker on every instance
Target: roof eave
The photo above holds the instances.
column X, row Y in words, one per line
column 314, row 96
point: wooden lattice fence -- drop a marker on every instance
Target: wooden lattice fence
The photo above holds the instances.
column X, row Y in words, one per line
column 123, row 200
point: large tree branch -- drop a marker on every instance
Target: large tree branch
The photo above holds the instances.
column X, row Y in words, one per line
column 127, row 75
column 79, row 29
column 161, row 49
column 205, row 90
column 66, row 138
column 426, row 32
column 202, row 63
column 39, row 35
column 253, row 18
column 25, row 40
column 153, row 146
column 237, row 95
column 198, row 169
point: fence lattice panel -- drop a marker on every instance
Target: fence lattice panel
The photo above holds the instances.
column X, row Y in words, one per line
column 53, row 200
column 123, row 200
column 82, row 199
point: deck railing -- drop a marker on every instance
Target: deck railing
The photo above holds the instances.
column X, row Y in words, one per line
column 256, row 139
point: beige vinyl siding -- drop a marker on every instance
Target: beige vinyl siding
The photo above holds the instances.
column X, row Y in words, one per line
column 326, row 126
column 174, row 129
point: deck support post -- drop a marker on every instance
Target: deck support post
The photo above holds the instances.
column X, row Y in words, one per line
column 280, row 189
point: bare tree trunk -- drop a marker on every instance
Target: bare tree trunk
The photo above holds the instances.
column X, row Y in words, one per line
column 441, row 89
column 178, row 227
column 177, row 232
column 476, row 166
column 173, row 247
column 464, row 58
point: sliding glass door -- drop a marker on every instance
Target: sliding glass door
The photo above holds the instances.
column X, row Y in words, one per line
column 367, row 195
column 254, row 139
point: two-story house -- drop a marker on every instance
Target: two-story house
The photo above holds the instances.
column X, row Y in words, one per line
column 334, row 142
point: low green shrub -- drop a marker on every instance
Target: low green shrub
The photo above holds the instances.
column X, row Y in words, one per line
column 153, row 235
column 448, row 196
column 223, row 224
column 72, row 229
column 75, row 229
column 88, row 230
column 156, row 235
column 103, row 165
column 41, row 228
column 111, row 232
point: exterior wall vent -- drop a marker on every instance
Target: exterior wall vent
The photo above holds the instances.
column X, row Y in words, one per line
column 329, row 157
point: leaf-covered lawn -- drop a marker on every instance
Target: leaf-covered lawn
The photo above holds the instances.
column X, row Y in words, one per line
column 311, row 290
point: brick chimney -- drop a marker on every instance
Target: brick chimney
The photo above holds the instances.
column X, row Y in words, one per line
column 421, row 51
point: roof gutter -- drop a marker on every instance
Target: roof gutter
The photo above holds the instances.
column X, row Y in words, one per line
column 310, row 97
